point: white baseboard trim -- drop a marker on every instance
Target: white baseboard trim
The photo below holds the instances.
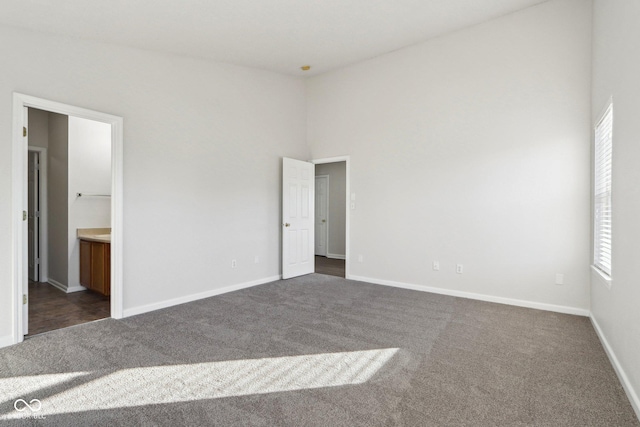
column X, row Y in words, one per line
column 622, row 376
column 65, row 288
column 57, row 284
column 336, row 256
column 481, row 297
column 6, row 341
column 194, row 297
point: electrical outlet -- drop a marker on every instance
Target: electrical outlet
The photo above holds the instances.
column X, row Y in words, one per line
column 234, row 263
column 459, row 268
column 559, row 279
column 436, row 265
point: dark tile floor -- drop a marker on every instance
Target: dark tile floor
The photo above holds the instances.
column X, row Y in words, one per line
column 330, row 266
column 50, row 308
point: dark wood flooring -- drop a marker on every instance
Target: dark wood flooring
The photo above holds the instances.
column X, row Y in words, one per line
column 50, row 308
column 330, row 266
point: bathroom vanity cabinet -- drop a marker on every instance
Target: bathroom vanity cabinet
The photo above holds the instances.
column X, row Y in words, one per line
column 95, row 266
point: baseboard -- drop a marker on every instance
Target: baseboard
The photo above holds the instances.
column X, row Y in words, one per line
column 57, row 284
column 6, row 341
column 481, row 297
column 78, row 288
column 336, row 256
column 622, row 376
column 65, row 288
column 194, row 297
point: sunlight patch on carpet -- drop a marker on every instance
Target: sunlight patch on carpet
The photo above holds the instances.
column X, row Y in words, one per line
column 17, row 387
column 189, row 382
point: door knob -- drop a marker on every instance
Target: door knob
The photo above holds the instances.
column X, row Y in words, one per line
column 286, row 224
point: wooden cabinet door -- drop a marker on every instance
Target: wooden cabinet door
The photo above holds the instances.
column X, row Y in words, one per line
column 98, row 259
column 95, row 266
column 85, row 264
column 107, row 269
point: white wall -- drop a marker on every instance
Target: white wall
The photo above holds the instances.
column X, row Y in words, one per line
column 202, row 148
column 89, row 173
column 58, row 195
column 616, row 73
column 337, row 173
column 38, row 128
column 470, row 148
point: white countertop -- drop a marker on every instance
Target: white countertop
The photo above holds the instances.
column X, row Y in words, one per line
column 101, row 235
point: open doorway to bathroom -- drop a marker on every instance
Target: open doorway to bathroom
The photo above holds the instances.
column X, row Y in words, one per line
column 113, row 276
column 69, row 207
column 331, row 218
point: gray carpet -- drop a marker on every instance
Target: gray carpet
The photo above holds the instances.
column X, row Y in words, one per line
column 318, row 351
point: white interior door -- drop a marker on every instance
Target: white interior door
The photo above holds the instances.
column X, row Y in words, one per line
column 298, row 181
column 322, row 214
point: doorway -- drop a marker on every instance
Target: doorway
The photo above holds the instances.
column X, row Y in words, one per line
column 31, row 239
column 331, row 216
column 79, row 151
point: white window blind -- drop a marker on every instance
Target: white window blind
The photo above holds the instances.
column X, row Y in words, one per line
column 602, row 192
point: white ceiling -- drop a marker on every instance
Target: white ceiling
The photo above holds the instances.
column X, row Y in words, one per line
column 278, row 35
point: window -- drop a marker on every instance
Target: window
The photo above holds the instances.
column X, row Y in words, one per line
column 602, row 192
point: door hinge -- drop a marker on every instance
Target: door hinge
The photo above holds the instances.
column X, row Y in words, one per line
column 24, row 298
column 24, row 131
column 24, row 215
column 37, row 214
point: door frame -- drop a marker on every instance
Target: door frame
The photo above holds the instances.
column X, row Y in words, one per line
column 326, row 204
column 347, row 231
column 43, row 242
column 20, row 199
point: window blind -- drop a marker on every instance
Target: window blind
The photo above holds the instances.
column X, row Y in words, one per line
column 602, row 192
